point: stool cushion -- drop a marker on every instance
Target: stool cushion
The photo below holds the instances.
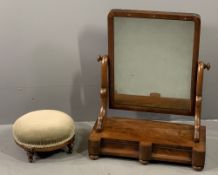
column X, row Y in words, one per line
column 43, row 128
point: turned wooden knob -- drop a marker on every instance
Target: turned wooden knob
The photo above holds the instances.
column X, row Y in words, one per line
column 99, row 58
column 207, row 66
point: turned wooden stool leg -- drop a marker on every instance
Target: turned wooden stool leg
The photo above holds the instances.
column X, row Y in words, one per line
column 70, row 148
column 70, row 145
column 30, row 155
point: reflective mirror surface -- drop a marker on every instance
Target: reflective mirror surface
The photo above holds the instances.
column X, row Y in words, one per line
column 153, row 56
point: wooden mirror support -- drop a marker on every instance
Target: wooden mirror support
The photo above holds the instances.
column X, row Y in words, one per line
column 142, row 139
column 103, row 91
column 198, row 99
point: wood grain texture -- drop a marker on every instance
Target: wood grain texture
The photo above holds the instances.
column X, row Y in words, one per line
column 147, row 140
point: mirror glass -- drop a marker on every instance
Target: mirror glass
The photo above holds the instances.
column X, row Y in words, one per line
column 153, row 56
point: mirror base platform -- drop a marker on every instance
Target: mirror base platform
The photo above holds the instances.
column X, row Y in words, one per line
column 147, row 140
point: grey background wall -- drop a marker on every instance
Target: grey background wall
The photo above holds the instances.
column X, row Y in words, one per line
column 48, row 52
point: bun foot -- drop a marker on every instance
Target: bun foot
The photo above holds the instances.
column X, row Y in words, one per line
column 93, row 157
column 197, row 168
column 144, row 162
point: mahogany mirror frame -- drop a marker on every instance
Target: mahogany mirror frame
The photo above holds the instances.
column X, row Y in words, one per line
column 153, row 103
column 134, row 138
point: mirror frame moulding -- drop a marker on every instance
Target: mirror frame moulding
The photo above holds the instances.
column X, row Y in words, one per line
column 153, row 103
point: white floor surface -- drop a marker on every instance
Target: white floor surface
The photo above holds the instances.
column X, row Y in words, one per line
column 13, row 159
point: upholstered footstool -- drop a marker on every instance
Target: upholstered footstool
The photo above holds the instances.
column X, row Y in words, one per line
column 44, row 130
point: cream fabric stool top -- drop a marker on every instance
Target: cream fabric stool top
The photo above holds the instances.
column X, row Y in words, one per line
column 44, row 130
